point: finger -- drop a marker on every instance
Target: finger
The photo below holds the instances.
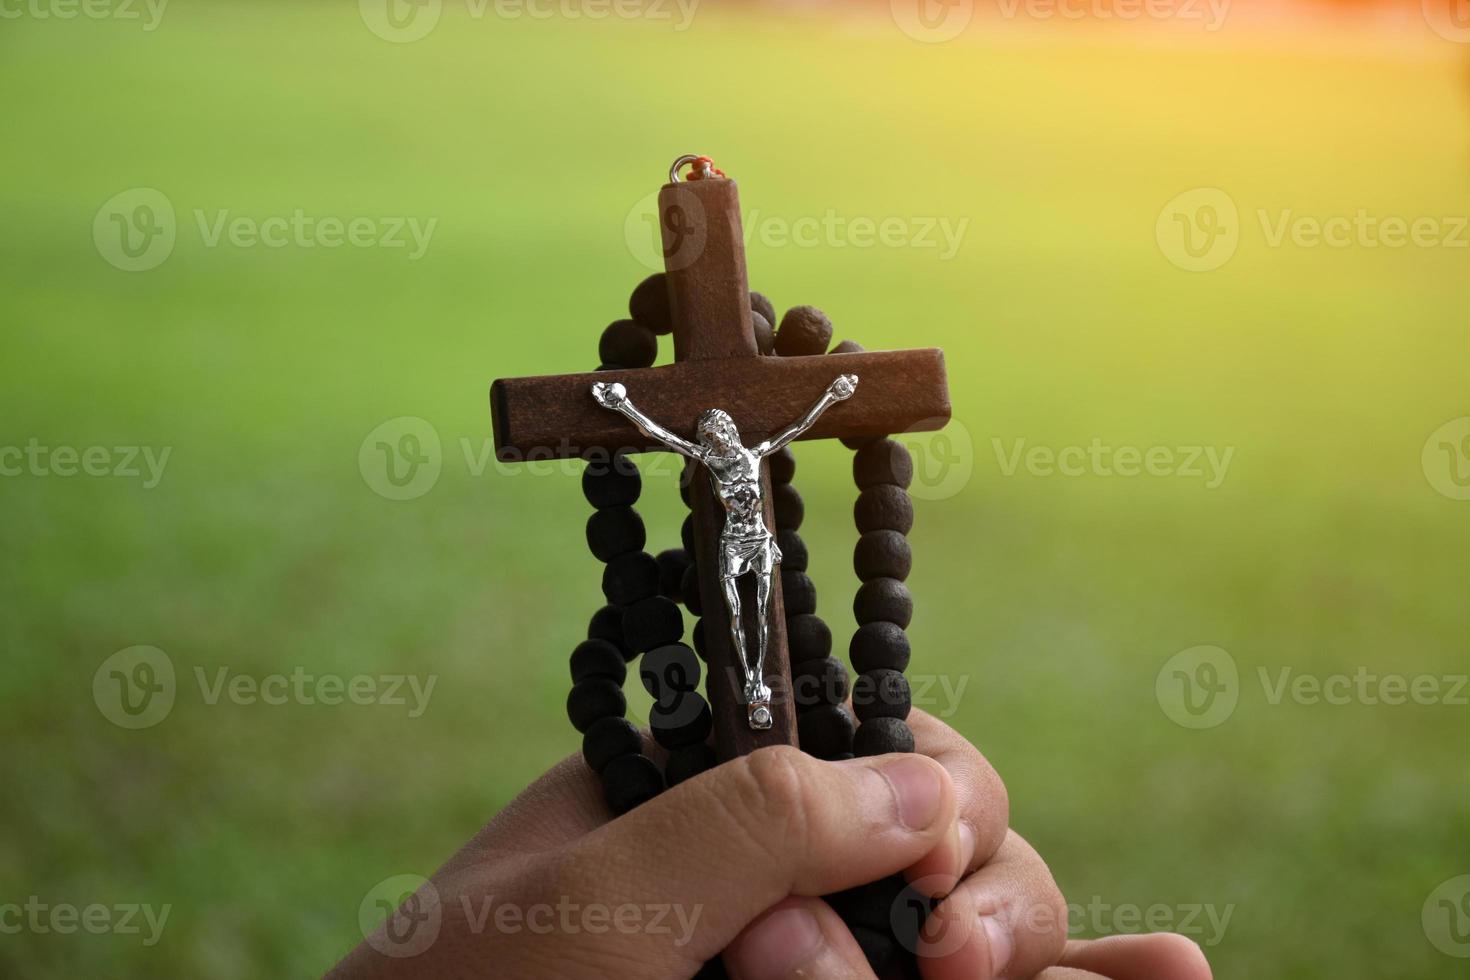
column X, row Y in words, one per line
column 732, row 842
column 1007, row 919
column 984, row 811
column 565, row 803
column 800, row 937
column 1144, row 957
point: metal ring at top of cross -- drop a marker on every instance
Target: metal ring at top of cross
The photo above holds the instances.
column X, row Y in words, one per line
column 704, row 168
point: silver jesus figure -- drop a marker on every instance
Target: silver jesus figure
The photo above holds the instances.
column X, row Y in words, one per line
column 746, row 544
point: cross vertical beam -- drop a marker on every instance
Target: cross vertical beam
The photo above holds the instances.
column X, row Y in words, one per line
column 709, row 295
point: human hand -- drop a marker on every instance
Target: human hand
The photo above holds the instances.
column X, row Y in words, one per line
column 737, row 858
column 609, row 394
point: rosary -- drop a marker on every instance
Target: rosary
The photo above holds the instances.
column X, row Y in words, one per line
column 739, row 392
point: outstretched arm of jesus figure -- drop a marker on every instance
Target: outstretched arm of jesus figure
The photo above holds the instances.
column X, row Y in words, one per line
column 838, row 391
column 614, row 397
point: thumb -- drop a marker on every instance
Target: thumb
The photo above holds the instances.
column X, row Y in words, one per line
column 720, row 849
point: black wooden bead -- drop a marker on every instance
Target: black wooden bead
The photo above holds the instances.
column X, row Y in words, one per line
column 884, row 507
column 598, row 658
column 629, row 344
column 793, row 549
column 697, row 635
column 804, row 330
column 713, row 969
column 884, row 461
column 615, row 531
column 783, row 465
column 686, row 533
column 603, row 462
column 815, row 682
column 689, row 590
column 630, row 780
column 881, row 693
column 607, row 739
column 825, row 731
column 879, row 645
column 765, row 334
column 610, row 485
column 607, row 624
column 882, row 736
column 847, row 347
column 652, row 623
column 671, row 567
column 688, row 762
column 669, row 673
column 790, row 511
column 592, row 699
column 630, row 578
column 879, row 948
column 798, row 592
column 649, row 304
column 871, row 905
column 761, row 305
column 687, row 724
column 885, row 599
column 808, row 638
column 882, row 554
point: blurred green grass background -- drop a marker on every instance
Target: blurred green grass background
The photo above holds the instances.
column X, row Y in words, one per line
column 1056, row 600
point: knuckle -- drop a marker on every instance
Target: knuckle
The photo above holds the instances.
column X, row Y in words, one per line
column 773, row 793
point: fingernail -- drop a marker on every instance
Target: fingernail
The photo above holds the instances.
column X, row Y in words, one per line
column 967, row 845
column 916, row 788
column 998, row 939
column 777, row 946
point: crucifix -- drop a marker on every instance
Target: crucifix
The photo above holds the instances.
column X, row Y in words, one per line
column 719, row 396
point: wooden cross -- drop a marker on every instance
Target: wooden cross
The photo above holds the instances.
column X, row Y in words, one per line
column 717, row 365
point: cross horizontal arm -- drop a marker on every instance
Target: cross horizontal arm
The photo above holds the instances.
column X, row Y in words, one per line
column 555, row 416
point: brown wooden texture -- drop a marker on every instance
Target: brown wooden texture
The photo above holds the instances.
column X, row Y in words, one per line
column 556, row 417
column 709, row 296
